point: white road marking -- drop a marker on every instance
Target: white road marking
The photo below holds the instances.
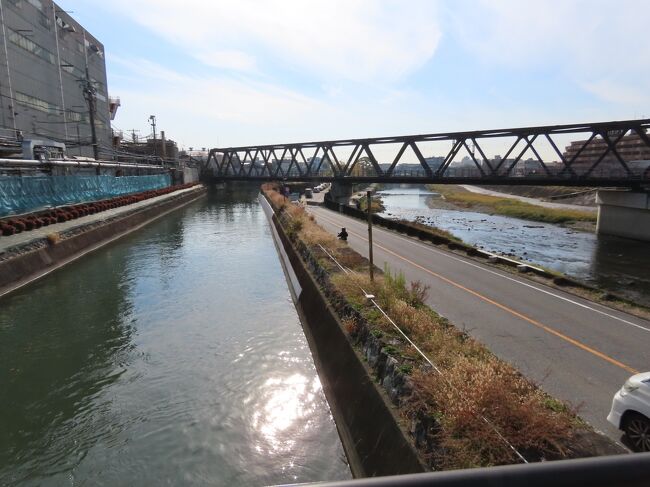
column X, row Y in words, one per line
column 445, row 254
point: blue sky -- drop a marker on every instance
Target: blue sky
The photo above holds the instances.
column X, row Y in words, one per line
column 226, row 73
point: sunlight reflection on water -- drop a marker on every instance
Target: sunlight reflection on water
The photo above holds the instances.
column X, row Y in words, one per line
column 284, row 405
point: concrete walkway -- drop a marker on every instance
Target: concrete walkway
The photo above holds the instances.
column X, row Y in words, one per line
column 24, row 238
column 532, row 201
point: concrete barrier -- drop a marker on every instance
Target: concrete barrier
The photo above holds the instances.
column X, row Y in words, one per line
column 44, row 256
column 370, row 431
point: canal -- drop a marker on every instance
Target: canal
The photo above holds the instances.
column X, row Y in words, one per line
column 171, row 357
column 611, row 263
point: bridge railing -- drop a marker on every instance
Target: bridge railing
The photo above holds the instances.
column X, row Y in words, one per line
column 601, row 153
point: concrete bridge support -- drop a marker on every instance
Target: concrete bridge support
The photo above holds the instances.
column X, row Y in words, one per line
column 624, row 214
column 341, row 192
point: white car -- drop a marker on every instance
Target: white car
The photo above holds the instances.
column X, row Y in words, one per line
column 631, row 411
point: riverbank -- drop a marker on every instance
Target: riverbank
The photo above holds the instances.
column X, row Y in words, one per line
column 458, row 198
column 377, row 204
column 572, row 195
column 602, row 268
column 452, row 410
column 29, row 255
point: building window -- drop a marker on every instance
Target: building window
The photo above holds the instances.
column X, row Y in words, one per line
column 30, row 46
column 37, row 3
column 65, row 25
column 37, row 103
column 70, row 68
column 45, row 21
column 73, row 116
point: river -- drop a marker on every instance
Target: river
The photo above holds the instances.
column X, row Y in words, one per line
column 173, row 356
column 616, row 264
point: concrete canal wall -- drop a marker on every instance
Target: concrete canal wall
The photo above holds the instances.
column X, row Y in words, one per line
column 375, row 442
column 28, row 256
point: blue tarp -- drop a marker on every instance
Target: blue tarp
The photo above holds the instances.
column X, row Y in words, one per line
column 30, row 193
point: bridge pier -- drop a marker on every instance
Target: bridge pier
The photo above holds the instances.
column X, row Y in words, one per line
column 624, row 214
column 341, row 192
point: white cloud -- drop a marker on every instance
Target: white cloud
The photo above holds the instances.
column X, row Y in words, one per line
column 228, row 59
column 619, row 93
column 343, row 69
column 599, row 45
column 197, row 110
column 360, row 40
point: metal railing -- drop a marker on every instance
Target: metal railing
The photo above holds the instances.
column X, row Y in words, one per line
column 620, row 470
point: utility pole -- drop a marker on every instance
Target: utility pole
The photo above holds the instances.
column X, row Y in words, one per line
column 78, row 139
column 372, row 265
column 152, row 119
column 163, row 144
column 89, row 94
column 134, row 136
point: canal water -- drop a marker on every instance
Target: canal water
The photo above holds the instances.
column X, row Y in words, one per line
column 616, row 264
column 171, row 357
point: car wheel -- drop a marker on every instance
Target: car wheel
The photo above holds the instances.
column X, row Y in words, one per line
column 637, row 429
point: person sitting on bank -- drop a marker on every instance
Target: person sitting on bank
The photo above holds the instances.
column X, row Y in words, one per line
column 343, row 235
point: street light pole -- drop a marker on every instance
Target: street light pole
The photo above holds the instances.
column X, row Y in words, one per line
column 152, row 118
column 372, row 265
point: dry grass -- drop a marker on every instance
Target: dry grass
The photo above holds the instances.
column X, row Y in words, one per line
column 474, row 383
column 300, row 223
column 53, row 238
column 511, row 207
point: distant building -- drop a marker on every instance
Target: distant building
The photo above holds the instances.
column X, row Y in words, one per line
column 44, row 60
column 434, row 162
column 630, row 148
column 163, row 148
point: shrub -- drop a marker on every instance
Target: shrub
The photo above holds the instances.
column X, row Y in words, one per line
column 53, row 238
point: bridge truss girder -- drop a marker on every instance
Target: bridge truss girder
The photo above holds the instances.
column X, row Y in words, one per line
column 603, row 156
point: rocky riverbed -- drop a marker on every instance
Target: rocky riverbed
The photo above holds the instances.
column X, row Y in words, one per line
column 611, row 263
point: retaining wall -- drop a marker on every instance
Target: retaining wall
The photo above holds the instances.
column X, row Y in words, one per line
column 39, row 257
column 375, row 441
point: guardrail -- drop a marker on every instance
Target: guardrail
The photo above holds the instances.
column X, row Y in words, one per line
column 621, row 470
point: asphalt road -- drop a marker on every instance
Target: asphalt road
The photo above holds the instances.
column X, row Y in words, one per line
column 576, row 350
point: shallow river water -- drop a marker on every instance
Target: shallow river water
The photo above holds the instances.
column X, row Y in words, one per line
column 613, row 263
column 171, row 357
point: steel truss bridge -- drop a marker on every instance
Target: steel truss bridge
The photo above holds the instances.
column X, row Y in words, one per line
column 591, row 154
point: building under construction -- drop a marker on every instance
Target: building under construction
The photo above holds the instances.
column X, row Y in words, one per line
column 52, row 80
column 156, row 148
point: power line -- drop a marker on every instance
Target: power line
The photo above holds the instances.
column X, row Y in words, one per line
column 371, row 298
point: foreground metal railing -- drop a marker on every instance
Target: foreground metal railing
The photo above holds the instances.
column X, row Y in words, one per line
column 621, row 470
column 597, row 154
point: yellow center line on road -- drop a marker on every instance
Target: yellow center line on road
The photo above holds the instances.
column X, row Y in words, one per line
column 530, row 320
